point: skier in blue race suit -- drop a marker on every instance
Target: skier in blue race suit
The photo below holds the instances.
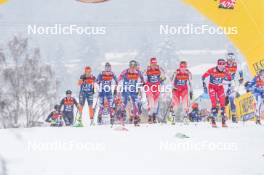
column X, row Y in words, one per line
column 87, row 83
column 231, row 93
column 68, row 103
column 132, row 79
column 256, row 86
column 105, row 81
column 195, row 115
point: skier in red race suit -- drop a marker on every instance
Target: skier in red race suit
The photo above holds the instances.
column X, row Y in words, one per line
column 181, row 86
column 216, row 89
column 155, row 76
column 55, row 118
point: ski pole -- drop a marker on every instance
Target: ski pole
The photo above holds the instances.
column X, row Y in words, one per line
column 167, row 110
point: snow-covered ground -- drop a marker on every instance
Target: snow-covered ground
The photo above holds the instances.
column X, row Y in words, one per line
column 148, row 149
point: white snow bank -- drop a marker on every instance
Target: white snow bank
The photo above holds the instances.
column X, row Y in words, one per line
column 149, row 149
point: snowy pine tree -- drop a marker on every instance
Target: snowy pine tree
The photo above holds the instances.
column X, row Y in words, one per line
column 28, row 86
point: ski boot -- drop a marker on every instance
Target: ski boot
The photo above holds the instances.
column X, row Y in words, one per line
column 99, row 120
column 173, row 119
column 111, row 121
column 92, row 122
column 234, row 119
column 78, row 122
column 136, row 121
column 130, row 118
column 154, row 118
column 224, row 122
column 258, row 122
column 186, row 120
column 214, row 115
column 149, row 119
column 213, row 123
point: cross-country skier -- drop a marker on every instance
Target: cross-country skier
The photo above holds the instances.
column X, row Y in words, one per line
column 140, row 93
column 195, row 115
column 118, row 107
column 182, row 88
column 105, row 81
column 131, row 78
column 87, row 86
column 154, row 78
column 216, row 89
column 256, row 86
column 68, row 103
column 231, row 93
column 55, row 118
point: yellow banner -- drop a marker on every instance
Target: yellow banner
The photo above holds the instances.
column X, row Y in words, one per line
column 245, row 107
column 3, row 1
column 248, row 17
